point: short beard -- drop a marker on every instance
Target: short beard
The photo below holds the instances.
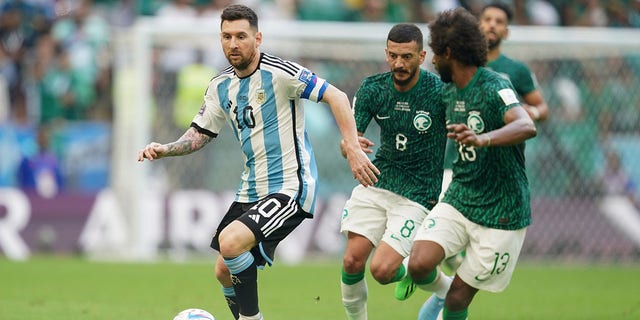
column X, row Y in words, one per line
column 402, row 83
column 494, row 44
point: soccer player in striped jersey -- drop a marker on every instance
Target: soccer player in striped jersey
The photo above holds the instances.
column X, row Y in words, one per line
column 486, row 209
column 258, row 96
column 406, row 103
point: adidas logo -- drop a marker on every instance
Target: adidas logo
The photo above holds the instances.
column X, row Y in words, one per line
column 255, row 217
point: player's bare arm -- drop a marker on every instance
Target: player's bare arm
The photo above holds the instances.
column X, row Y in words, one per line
column 536, row 106
column 361, row 166
column 518, row 128
column 191, row 141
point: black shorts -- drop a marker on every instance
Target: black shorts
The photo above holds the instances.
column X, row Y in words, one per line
column 271, row 220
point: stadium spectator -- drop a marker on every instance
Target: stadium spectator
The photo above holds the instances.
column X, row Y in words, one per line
column 260, row 94
column 85, row 37
column 41, row 172
column 489, row 127
column 614, row 180
column 381, row 11
column 65, row 93
column 407, row 105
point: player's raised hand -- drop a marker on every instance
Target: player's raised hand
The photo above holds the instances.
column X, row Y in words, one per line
column 152, row 151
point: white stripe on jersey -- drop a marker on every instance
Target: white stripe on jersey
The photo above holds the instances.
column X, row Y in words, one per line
column 267, row 117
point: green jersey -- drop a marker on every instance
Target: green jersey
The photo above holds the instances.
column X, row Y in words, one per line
column 489, row 185
column 522, row 79
column 412, row 134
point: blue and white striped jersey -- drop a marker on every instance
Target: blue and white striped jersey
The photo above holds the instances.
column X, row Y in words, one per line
column 267, row 117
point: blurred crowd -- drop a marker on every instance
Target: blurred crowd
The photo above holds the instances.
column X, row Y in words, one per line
column 56, row 64
column 55, row 55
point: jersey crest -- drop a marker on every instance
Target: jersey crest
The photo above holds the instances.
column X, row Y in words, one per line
column 261, row 96
column 422, row 121
column 475, row 122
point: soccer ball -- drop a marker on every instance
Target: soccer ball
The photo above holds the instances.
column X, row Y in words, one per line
column 194, row 314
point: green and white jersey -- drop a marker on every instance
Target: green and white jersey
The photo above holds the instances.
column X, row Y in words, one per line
column 521, row 77
column 412, row 136
column 489, row 185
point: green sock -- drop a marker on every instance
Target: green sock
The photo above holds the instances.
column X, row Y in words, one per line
column 429, row 279
column 351, row 278
column 455, row 315
column 400, row 274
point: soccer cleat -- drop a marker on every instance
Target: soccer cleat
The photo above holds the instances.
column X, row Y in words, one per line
column 431, row 308
column 405, row 288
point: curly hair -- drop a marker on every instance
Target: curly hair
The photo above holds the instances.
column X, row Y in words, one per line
column 458, row 30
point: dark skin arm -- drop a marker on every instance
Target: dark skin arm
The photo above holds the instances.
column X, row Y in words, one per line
column 518, row 128
column 536, row 106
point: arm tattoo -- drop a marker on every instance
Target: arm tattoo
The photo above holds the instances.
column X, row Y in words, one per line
column 191, row 141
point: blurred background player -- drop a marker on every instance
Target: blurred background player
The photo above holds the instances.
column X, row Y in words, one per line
column 406, row 103
column 494, row 22
column 260, row 94
column 486, row 209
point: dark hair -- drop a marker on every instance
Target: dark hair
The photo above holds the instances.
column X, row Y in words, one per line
column 502, row 6
column 406, row 32
column 458, row 30
column 239, row 12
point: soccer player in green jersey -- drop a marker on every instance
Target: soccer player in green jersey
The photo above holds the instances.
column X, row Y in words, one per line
column 494, row 22
column 406, row 103
column 485, row 211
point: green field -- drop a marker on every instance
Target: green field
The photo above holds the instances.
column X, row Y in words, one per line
column 76, row 289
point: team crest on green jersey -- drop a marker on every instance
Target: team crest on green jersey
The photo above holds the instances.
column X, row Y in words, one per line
column 475, row 122
column 261, row 96
column 422, row 121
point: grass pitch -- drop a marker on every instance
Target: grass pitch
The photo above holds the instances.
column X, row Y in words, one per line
column 57, row 288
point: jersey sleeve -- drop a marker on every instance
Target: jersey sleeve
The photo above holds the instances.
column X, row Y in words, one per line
column 505, row 97
column 211, row 116
column 525, row 80
column 362, row 102
column 307, row 85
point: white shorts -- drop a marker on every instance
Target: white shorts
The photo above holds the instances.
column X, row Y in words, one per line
column 381, row 215
column 491, row 254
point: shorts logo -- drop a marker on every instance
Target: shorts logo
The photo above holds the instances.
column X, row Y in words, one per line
column 422, row 121
column 475, row 122
column 255, row 217
column 345, row 213
column 428, row 223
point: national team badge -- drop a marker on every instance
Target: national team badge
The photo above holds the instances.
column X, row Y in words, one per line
column 475, row 122
column 261, row 96
column 422, row 121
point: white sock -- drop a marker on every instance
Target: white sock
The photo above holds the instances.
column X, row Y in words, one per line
column 439, row 286
column 405, row 263
column 354, row 299
column 257, row 316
